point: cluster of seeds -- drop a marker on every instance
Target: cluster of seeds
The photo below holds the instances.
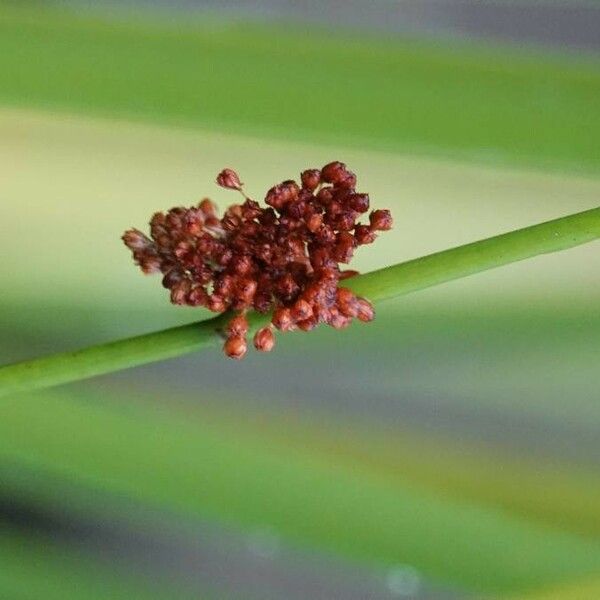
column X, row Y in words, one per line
column 284, row 257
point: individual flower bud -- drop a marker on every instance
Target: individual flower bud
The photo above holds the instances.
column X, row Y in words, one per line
column 359, row 202
column 282, row 319
column 208, row 207
column 235, row 347
column 308, row 324
column 314, row 222
column 149, row 263
column 286, row 287
column 245, row 290
column 337, row 320
column 348, row 180
column 344, row 247
column 334, row 172
column 325, row 235
column 363, row 234
column 250, row 209
column 295, row 209
column 366, row 312
column 301, row 310
column 172, row 277
column 347, row 302
column 238, row 326
column 229, row 179
column 216, row 303
column 180, row 291
column 279, row 195
column 197, row 297
column 264, row 340
column 135, row 240
column 324, row 196
column 242, row 265
column 345, row 221
column 223, row 284
column 310, row 179
column 334, row 208
column 381, row 220
column 262, row 302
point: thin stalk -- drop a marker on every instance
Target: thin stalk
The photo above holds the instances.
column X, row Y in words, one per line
column 382, row 284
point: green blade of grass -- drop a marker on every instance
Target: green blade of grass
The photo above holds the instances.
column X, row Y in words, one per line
column 35, row 567
column 394, row 281
column 210, row 471
column 456, row 100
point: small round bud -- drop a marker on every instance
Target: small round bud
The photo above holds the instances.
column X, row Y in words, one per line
column 325, row 235
column 337, row 320
column 363, row 234
column 366, row 312
column 238, row 326
column 172, row 277
column 282, row 319
column 359, row 202
column 324, row 196
column 302, row 310
column 348, row 180
column 344, row 247
column 235, row 347
column 242, row 265
column 216, row 303
column 208, row 207
column 314, row 222
column 310, row 179
column 347, row 302
column 223, row 284
column 197, row 297
column 345, row 221
column 381, row 220
column 229, row 179
column 279, row 195
column 180, row 291
column 334, row 172
column 246, row 290
column 264, row 340
column 308, row 324
column 136, row 240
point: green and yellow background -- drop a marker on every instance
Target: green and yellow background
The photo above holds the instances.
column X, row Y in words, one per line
column 450, row 449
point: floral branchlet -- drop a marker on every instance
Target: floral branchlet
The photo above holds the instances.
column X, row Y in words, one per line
column 284, row 257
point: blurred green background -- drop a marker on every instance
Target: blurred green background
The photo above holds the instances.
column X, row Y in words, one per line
column 448, row 450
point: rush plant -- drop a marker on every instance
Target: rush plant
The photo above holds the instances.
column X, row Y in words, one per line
column 278, row 267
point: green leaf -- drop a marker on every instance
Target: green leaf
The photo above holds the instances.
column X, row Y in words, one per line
column 206, row 470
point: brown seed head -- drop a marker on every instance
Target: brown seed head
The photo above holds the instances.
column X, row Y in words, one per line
column 285, row 257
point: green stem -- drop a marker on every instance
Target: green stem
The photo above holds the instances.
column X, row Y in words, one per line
column 390, row 282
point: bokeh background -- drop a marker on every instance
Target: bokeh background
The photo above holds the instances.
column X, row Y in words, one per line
column 449, row 450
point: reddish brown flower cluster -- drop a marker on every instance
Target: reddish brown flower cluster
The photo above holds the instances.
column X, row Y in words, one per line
column 285, row 257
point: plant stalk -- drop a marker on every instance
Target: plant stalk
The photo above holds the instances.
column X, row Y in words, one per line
column 382, row 284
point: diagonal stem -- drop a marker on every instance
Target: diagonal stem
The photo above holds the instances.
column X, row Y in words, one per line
column 382, row 284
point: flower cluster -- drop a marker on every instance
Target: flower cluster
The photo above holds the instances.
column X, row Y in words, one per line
column 284, row 257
